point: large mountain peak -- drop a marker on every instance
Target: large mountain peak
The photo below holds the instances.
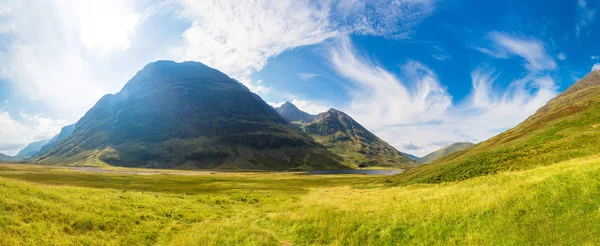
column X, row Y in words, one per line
column 188, row 114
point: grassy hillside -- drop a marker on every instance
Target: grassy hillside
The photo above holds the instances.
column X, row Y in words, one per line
column 453, row 148
column 567, row 127
column 547, row 205
column 357, row 146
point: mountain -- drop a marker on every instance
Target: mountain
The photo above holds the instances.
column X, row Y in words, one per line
column 64, row 133
column 30, row 150
column 188, row 115
column 412, row 157
column 455, row 147
column 291, row 113
column 4, row 157
column 360, row 148
column 567, row 127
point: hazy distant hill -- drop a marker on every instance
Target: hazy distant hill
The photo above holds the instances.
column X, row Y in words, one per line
column 30, row 150
column 4, row 157
column 412, row 157
column 291, row 113
column 188, row 115
column 358, row 146
column 567, row 127
column 455, row 147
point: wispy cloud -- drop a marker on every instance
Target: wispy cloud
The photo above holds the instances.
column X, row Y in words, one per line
column 586, row 16
column 532, row 50
column 418, row 111
column 596, row 67
column 308, row 76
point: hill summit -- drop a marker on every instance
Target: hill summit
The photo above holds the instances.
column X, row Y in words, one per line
column 357, row 145
column 177, row 115
column 291, row 113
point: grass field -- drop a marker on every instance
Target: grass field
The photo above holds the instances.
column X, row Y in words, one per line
column 557, row 204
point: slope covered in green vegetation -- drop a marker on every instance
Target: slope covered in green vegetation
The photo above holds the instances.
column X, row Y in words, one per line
column 187, row 115
column 455, row 147
column 358, row 146
column 52, row 206
column 567, row 127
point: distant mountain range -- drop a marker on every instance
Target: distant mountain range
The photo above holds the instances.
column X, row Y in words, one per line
column 567, row 127
column 30, row 150
column 187, row 115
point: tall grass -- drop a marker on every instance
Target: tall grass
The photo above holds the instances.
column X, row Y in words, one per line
column 555, row 204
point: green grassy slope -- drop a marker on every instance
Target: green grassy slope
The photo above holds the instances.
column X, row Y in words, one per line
column 455, row 147
column 359, row 147
column 567, row 127
column 50, row 206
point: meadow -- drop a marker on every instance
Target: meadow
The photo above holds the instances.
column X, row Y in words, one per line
column 556, row 204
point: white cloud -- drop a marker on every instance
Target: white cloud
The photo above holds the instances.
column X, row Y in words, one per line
column 238, row 37
column 382, row 99
column 62, row 53
column 596, row 67
column 16, row 134
column 417, row 111
column 595, row 57
column 532, row 50
column 586, row 16
column 308, row 76
column 562, row 56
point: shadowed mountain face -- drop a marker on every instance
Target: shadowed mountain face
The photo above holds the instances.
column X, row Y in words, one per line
column 188, row 115
column 291, row 113
column 359, row 147
column 455, row 147
column 567, row 127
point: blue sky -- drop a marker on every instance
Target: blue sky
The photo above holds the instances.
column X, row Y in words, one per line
column 420, row 74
